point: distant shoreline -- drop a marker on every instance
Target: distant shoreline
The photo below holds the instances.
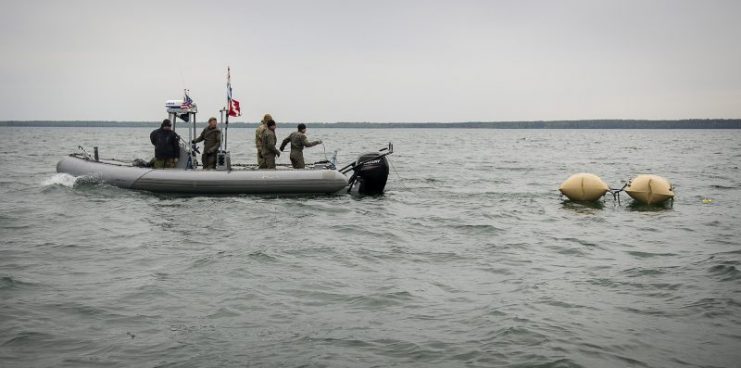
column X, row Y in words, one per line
column 554, row 124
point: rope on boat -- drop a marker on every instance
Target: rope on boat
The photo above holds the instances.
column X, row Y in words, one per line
column 325, row 151
column 401, row 180
column 333, row 161
column 85, row 154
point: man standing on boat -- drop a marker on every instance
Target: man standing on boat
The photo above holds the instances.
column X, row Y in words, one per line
column 269, row 152
column 258, row 139
column 212, row 136
column 166, row 146
column 298, row 141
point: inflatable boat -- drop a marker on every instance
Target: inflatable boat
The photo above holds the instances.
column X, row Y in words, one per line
column 366, row 175
column 205, row 181
column 369, row 174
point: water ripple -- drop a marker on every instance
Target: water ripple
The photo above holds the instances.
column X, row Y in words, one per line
column 469, row 259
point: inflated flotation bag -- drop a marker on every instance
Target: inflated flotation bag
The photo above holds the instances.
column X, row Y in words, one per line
column 584, row 187
column 649, row 189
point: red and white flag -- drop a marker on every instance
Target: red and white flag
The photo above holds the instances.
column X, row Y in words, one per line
column 233, row 104
column 234, row 108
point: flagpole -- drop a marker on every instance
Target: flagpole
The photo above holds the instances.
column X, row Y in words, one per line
column 221, row 116
column 228, row 104
column 226, row 131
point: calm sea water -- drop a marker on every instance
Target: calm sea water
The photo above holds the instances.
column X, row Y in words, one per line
column 469, row 259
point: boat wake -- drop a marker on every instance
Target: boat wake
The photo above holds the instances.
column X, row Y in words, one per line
column 62, row 179
column 70, row 181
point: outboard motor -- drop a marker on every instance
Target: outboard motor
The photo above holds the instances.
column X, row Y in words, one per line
column 223, row 161
column 370, row 173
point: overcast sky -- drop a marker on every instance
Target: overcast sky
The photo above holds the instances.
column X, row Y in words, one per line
column 412, row 61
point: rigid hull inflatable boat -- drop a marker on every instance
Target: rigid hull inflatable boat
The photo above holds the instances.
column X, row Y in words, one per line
column 369, row 171
column 245, row 180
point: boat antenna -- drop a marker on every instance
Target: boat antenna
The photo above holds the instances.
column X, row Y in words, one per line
column 182, row 79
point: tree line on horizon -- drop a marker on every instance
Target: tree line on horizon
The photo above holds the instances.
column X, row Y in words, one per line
column 552, row 124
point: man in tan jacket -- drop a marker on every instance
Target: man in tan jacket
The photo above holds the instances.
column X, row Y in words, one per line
column 258, row 139
column 269, row 151
column 298, row 141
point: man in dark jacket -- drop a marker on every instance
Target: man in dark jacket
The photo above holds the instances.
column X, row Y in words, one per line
column 269, row 151
column 166, row 146
column 298, row 141
column 212, row 135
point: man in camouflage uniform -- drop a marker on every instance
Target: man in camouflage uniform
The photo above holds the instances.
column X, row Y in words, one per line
column 298, row 142
column 269, row 151
column 258, row 139
column 212, row 136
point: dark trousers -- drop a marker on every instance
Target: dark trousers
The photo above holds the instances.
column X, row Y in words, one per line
column 209, row 160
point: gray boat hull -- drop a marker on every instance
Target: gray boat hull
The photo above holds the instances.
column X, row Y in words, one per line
column 206, row 181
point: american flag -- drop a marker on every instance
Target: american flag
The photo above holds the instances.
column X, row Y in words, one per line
column 232, row 103
column 187, row 101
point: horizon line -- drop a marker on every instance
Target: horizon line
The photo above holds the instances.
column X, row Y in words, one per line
column 389, row 122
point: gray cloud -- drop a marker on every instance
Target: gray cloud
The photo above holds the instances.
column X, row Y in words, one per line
column 373, row 61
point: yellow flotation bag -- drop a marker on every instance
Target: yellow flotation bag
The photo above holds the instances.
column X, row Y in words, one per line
column 584, row 187
column 649, row 189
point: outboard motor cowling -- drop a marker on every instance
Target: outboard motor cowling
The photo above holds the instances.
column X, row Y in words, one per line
column 370, row 173
column 223, row 161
